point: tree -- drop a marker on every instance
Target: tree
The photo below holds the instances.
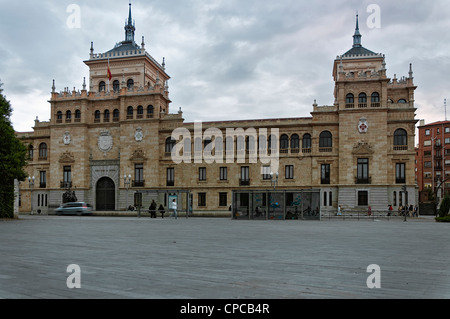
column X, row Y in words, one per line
column 12, row 159
column 445, row 206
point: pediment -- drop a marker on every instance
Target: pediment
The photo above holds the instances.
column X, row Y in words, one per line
column 138, row 156
column 362, row 148
column 67, row 157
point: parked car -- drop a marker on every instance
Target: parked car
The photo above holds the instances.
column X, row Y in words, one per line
column 78, row 208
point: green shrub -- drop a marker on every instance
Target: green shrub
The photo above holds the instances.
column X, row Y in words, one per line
column 445, row 219
column 445, row 206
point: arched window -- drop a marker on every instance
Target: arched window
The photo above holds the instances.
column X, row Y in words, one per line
column 150, row 111
column 59, row 116
column 170, row 144
column 325, row 139
column 402, row 101
column 101, row 86
column 284, row 143
column 272, row 142
column 77, row 115
column 106, row 116
column 295, row 142
column 375, row 97
column 116, row 86
column 43, row 151
column 400, row 137
column 350, row 101
column 97, row 116
column 30, row 152
column 198, row 147
column 362, row 100
column 130, row 112
column 130, row 84
column 68, row 116
column 140, row 112
column 116, row 114
column 306, row 142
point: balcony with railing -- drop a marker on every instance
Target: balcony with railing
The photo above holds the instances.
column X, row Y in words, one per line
column 244, row 182
column 138, row 183
column 363, row 180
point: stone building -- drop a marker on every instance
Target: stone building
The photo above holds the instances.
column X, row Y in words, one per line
column 113, row 142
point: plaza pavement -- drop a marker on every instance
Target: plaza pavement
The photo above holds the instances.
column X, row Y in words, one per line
column 219, row 258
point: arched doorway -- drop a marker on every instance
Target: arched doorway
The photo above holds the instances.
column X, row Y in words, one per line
column 105, row 194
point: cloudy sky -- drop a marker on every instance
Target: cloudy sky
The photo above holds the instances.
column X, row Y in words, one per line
column 228, row 59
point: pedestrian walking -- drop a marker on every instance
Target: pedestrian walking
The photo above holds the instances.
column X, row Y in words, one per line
column 369, row 211
column 174, row 209
column 152, row 209
column 390, row 209
column 161, row 210
column 416, row 211
column 339, row 213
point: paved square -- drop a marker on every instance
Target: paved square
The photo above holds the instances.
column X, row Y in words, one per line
column 129, row 257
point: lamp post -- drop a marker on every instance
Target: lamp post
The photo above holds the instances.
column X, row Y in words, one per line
column 31, row 185
column 273, row 181
column 127, row 182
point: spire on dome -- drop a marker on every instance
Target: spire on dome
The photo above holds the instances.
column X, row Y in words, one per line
column 357, row 36
column 129, row 27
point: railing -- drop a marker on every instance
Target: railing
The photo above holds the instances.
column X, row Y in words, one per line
column 362, row 181
column 400, row 147
column 66, row 184
column 137, row 183
column 244, row 182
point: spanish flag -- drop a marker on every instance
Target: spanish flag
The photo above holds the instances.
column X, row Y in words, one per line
column 109, row 72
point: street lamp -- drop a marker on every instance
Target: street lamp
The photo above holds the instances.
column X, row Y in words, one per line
column 273, row 181
column 127, row 182
column 31, row 185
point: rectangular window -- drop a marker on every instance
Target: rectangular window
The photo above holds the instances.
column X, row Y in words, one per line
column 266, row 172
column 447, row 140
column 363, row 198
column 427, row 164
column 42, row 179
column 171, row 176
column 325, row 197
column 138, row 175
column 447, row 130
column 67, row 177
column 289, row 171
column 400, row 177
column 223, row 173
column 427, row 132
column 223, row 199
column 363, row 171
column 325, row 174
column 202, row 174
column 245, row 176
column 201, row 199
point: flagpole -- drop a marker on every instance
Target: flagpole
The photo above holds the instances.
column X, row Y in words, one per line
column 109, row 70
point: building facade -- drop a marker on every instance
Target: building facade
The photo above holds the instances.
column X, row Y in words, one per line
column 433, row 160
column 113, row 142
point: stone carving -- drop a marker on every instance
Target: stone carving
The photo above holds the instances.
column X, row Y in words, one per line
column 105, row 141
